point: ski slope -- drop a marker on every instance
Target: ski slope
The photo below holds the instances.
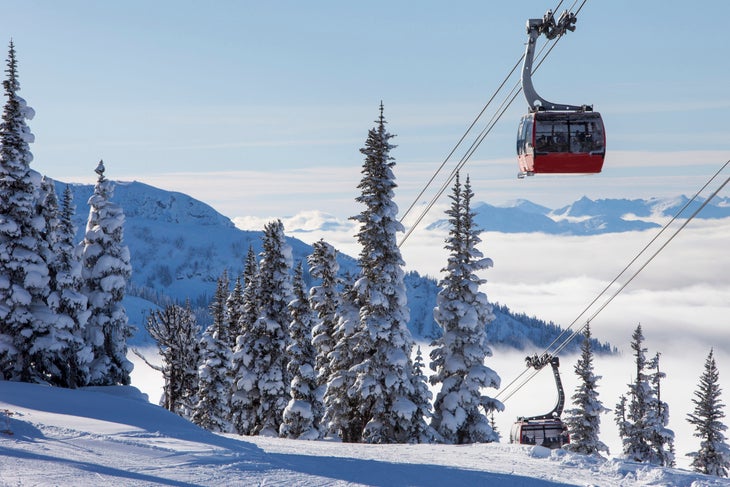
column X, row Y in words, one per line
column 113, row 436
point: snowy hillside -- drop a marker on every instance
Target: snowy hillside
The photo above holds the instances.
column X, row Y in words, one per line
column 113, row 436
column 180, row 246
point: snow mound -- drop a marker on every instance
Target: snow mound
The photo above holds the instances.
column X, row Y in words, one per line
column 110, row 436
column 540, row 452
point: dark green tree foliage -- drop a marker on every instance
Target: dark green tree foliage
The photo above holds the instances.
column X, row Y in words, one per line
column 383, row 385
column 24, row 280
column 463, row 312
column 218, row 307
column 235, row 310
column 176, row 332
column 713, row 457
column 584, row 420
column 303, row 413
column 250, row 293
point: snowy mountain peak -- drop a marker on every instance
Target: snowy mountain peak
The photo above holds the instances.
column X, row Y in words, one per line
column 141, row 200
column 180, row 246
column 527, row 206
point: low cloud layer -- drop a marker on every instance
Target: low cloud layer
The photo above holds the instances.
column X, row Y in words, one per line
column 679, row 297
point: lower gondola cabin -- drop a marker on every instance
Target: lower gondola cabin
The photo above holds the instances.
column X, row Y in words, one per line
column 550, row 433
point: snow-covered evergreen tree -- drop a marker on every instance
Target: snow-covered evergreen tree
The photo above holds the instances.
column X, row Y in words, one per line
column 713, row 457
column 215, row 381
column 384, row 385
column 324, row 299
column 213, row 410
column 68, row 364
column 642, row 416
column 463, row 312
column 245, row 404
column 250, row 294
column 176, row 332
column 584, row 420
column 632, row 424
column 50, row 341
column 106, row 270
column 234, row 311
column 303, row 413
column 219, row 306
column 260, row 387
column 620, row 412
column 343, row 416
column 24, row 278
column 422, row 430
column 660, row 437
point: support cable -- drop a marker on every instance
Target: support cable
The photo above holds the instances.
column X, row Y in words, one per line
column 506, row 103
column 565, row 342
column 480, row 138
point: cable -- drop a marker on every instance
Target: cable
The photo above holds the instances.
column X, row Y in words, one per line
column 415, row 201
column 475, row 144
column 603, row 306
column 646, row 247
column 506, row 103
column 565, row 342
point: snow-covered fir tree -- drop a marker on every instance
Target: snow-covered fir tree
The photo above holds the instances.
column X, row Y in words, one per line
column 661, row 438
column 343, row 416
column 106, row 270
column 713, row 457
column 68, row 364
column 260, row 377
column 584, row 420
column 641, row 416
column 422, row 430
column 245, row 396
column 250, row 294
column 235, row 311
column 51, row 340
column 176, row 331
column 303, row 413
column 47, row 209
column 631, row 411
column 620, row 412
column 463, row 312
column 24, row 278
column 218, row 306
column 215, row 381
column 384, row 385
column 324, row 299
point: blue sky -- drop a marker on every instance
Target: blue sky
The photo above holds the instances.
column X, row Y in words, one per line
column 259, row 108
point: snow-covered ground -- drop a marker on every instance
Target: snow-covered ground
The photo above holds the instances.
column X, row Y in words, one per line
column 113, row 436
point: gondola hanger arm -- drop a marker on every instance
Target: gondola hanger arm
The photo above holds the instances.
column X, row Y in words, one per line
column 552, row 30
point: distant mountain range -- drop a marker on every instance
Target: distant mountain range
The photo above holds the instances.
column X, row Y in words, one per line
column 588, row 217
column 180, row 246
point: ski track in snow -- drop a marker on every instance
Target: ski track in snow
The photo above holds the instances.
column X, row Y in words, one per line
column 113, row 436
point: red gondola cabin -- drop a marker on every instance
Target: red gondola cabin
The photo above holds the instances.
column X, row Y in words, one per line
column 561, row 142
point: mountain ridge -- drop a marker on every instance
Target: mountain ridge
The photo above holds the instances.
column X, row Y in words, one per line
column 180, row 246
column 586, row 217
